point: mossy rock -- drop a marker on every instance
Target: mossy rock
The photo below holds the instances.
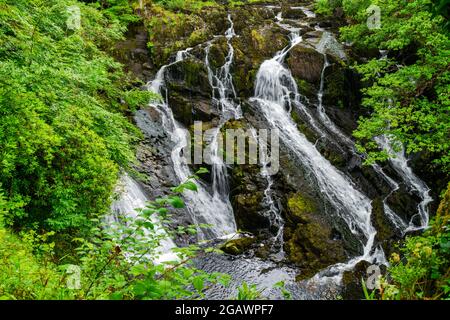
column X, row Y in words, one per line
column 335, row 86
column 306, row 63
column 443, row 213
column 306, row 88
column 352, row 281
column 290, row 13
column 309, row 133
column 309, row 241
column 171, row 31
column 386, row 232
column 252, row 47
column 217, row 53
column 332, row 154
column 300, row 208
column 238, row 246
column 247, row 208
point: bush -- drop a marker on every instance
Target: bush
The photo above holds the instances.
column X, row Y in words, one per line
column 63, row 133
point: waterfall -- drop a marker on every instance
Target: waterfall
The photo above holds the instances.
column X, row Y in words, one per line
column 399, row 224
column 131, row 200
column 223, row 96
column 320, row 108
column 272, row 211
column 328, row 42
column 203, row 207
column 400, row 165
column 273, row 90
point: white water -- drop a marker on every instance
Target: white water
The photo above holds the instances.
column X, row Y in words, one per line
column 224, row 96
column 322, row 47
column 272, row 211
column 131, row 200
column 400, row 165
column 273, row 90
column 306, row 11
column 203, row 207
column 326, row 42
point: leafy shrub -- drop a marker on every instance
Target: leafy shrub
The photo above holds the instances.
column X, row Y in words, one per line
column 408, row 92
column 63, row 133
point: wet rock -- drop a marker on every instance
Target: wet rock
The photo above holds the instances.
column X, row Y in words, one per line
column 190, row 92
column 133, row 52
column 238, row 246
column 290, row 12
column 386, row 232
column 309, row 241
column 352, row 281
column 247, row 208
column 403, row 203
column 305, row 63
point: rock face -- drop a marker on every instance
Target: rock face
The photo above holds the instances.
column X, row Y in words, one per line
column 306, row 64
column 259, row 39
column 309, row 242
column 190, row 92
column 171, row 31
column 133, row 52
column 386, row 232
column 352, row 281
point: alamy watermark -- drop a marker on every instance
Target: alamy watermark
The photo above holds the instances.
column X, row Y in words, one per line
column 374, row 19
column 73, row 21
column 373, row 277
column 231, row 146
column 73, row 279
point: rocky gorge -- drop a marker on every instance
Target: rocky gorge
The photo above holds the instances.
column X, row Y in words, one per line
column 324, row 216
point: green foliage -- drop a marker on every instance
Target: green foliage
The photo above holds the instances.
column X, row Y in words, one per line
column 23, row 276
column 408, row 92
column 248, row 292
column 423, row 273
column 63, row 134
column 420, row 270
column 282, row 286
column 118, row 261
column 326, row 7
column 189, row 5
column 121, row 10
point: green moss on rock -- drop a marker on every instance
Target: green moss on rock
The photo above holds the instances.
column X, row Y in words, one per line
column 237, row 246
column 309, row 240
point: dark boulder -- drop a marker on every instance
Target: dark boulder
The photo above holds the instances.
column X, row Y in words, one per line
column 309, row 241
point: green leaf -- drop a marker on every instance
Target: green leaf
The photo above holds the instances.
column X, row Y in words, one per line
column 176, row 202
column 198, row 283
column 190, row 185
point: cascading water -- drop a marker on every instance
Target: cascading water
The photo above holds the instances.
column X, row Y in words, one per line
column 274, row 88
column 400, row 165
column 272, row 211
column 203, row 207
column 327, row 42
column 324, row 43
column 223, row 96
column 131, row 200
